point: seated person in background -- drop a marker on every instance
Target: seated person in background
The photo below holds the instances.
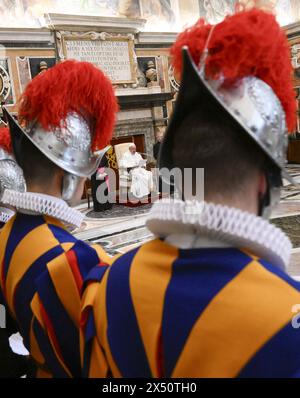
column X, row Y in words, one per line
column 141, row 179
column 210, row 297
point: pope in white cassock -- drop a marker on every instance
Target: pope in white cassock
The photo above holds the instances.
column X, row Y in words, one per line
column 141, row 179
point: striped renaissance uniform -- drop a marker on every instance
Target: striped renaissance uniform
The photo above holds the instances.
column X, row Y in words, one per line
column 66, row 118
column 42, row 268
column 180, row 308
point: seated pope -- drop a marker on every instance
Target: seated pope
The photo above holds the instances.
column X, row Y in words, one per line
column 134, row 165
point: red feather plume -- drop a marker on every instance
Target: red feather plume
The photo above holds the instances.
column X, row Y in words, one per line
column 71, row 86
column 248, row 43
column 5, row 140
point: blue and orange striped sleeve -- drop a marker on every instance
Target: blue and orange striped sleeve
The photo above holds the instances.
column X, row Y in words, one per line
column 56, row 308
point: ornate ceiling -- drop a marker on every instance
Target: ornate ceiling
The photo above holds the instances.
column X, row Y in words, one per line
column 161, row 14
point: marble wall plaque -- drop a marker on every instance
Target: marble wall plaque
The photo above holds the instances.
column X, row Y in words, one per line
column 114, row 55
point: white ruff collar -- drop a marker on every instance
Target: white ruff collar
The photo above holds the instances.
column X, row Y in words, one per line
column 234, row 227
column 40, row 204
column 5, row 214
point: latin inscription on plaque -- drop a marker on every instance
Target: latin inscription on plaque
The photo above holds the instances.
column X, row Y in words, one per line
column 111, row 56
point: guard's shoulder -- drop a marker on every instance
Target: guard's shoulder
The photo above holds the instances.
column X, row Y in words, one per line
column 103, row 256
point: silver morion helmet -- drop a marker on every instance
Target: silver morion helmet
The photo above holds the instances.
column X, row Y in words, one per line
column 69, row 147
column 11, row 175
column 250, row 102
